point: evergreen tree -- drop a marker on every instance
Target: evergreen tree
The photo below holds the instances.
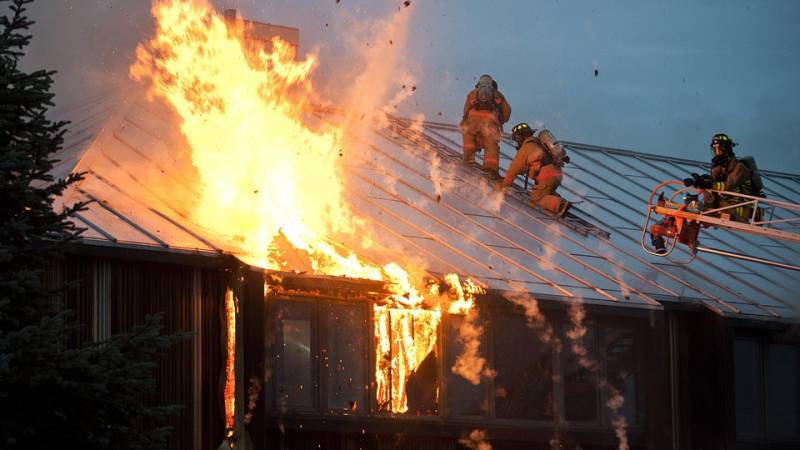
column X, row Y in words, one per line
column 53, row 395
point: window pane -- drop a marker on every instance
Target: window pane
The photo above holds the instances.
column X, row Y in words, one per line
column 294, row 374
column 622, row 367
column 747, row 361
column 463, row 397
column 580, row 383
column 344, row 361
column 783, row 395
column 524, row 382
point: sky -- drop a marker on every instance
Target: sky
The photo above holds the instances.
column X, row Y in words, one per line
column 669, row 73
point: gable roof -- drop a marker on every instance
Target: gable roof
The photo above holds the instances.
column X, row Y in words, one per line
column 468, row 229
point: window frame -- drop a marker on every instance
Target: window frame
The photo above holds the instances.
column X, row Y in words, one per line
column 367, row 357
column 272, row 344
column 319, row 340
column 490, row 317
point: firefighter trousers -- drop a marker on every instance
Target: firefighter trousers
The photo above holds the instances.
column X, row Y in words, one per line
column 544, row 194
column 480, row 133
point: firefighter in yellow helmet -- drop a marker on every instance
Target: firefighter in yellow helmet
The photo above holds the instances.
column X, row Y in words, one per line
column 727, row 174
column 485, row 111
column 534, row 157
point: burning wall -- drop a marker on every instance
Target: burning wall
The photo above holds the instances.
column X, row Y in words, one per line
column 272, row 185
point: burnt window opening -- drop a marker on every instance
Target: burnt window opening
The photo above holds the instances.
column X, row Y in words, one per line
column 405, row 346
column 423, row 386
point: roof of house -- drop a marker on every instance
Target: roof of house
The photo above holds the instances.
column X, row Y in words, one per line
column 124, row 146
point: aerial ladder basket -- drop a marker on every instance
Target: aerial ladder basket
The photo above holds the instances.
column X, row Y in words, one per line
column 683, row 221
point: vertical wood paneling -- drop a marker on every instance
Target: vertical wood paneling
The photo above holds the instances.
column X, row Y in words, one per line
column 113, row 295
column 79, row 276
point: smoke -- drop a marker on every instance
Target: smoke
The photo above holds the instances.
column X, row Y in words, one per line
column 383, row 80
column 614, row 403
column 576, row 334
column 90, row 43
column 549, row 251
column 492, row 196
column 477, row 440
column 436, row 178
column 623, row 286
column 534, row 317
column 441, row 175
column 470, row 365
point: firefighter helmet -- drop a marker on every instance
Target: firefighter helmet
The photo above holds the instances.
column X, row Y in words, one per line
column 724, row 143
column 520, row 132
column 485, row 79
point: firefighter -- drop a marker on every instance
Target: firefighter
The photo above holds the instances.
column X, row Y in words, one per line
column 485, row 112
column 727, row 174
column 533, row 156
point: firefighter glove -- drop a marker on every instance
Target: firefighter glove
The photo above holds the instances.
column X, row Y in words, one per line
column 701, row 181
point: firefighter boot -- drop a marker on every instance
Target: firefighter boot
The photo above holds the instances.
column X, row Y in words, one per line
column 493, row 174
column 658, row 243
column 469, row 156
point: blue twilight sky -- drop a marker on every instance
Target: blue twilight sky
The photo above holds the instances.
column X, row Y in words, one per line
column 670, row 73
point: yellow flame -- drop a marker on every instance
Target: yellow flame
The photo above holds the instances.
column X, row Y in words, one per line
column 464, row 294
column 230, row 366
column 265, row 174
column 262, row 169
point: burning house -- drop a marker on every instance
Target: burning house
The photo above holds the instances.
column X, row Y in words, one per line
column 352, row 285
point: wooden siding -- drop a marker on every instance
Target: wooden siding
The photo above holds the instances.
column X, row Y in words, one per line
column 117, row 294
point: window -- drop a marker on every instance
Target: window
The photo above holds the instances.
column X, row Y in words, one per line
column 580, row 382
column 748, row 385
column 622, row 368
column 783, row 391
column 524, row 383
column 343, row 358
column 294, row 358
column 463, row 397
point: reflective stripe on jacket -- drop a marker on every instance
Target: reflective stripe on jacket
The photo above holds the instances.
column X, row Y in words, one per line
column 548, row 172
column 733, row 176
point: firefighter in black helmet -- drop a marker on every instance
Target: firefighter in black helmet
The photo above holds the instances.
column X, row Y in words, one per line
column 534, row 158
column 727, row 174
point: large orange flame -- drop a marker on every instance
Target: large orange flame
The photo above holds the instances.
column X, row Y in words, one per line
column 230, row 362
column 265, row 174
